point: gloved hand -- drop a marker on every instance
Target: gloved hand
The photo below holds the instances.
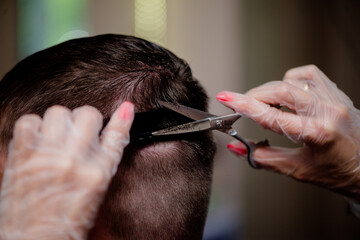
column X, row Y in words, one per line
column 58, row 170
column 324, row 119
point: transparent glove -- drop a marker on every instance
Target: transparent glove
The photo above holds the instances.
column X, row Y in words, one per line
column 324, row 119
column 58, row 170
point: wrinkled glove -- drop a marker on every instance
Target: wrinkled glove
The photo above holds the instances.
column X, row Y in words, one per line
column 58, row 170
column 323, row 118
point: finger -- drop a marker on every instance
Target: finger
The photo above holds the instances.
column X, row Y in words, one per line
column 26, row 132
column 55, row 123
column 287, row 161
column 116, row 136
column 312, row 79
column 87, row 122
column 283, row 94
column 288, row 124
column 302, row 84
column 310, row 73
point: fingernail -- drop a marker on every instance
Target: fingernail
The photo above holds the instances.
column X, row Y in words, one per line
column 126, row 110
column 236, row 149
column 224, row 97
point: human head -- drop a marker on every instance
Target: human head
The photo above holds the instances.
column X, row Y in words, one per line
column 161, row 189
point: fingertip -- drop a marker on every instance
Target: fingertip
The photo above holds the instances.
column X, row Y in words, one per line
column 238, row 148
column 225, row 96
column 115, row 135
column 121, row 120
column 126, row 111
column 26, row 131
column 27, row 123
column 236, row 101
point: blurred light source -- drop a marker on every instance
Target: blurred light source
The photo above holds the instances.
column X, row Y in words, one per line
column 72, row 35
column 150, row 20
column 44, row 23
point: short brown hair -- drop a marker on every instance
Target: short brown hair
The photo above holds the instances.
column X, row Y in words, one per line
column 161, row 189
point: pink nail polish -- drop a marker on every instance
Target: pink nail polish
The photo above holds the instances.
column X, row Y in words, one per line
column 224, row 97
column 126, row 110
column 238, row 150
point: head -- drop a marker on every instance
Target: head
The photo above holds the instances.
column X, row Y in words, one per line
column 161, row 189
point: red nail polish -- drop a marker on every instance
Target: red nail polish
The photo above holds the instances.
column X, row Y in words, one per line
column 126, row 110
column 238, row 150
column 224, row 97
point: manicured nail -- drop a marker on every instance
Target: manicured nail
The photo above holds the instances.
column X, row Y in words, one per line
column 126, row 110
column 238, row 150
column 224, row 97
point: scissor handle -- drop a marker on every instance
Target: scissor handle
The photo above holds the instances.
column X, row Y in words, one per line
column 250, row 147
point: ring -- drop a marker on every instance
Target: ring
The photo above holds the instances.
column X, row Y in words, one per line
column 307, row 86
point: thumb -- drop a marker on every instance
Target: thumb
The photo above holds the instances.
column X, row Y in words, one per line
column 115, row 135
column 287, row 161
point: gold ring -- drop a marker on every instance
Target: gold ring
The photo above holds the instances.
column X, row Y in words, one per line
column 306, row 87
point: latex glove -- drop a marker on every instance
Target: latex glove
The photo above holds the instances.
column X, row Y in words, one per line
column 58, row 170
column 325, row 120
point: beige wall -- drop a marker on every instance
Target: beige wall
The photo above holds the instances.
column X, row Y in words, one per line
column 237, row 45
column 206, row 33
column 111, row 16
column 279, row 35
column 7, row 36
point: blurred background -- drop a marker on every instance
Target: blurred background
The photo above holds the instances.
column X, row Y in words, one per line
column 230, row 45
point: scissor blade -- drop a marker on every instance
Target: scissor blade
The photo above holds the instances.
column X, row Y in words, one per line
column 223, row 123
column 196, row 126
column 189, row 112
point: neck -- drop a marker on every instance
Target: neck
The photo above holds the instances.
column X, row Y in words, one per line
column 155, row 198
column 100, row 231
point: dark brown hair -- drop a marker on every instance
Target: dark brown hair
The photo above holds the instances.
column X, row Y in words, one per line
column 161, row 189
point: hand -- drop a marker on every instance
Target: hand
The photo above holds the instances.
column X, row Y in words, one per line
column 58, row 170
column 324, row 119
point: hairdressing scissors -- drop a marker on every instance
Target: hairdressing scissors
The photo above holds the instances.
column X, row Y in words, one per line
column 206, row 121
